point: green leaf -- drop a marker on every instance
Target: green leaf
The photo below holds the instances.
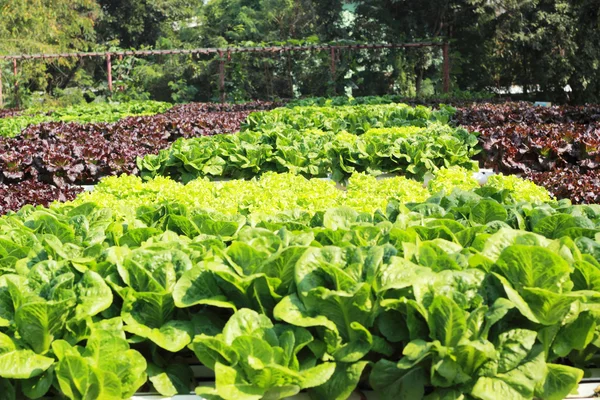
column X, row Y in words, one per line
column 496, row 243
column 487, row 211
column 337, row 218
column 471, row 355
column 78, row 380
column 110, row 352
column 211, row 350
column 136, row 237
column 282, row 265
column 359, row 344
column 318, row 375
column 392, row 382
column 153, row 269
column 222, row 228
column 576, row 335
column 519, row 383
column 513, row 347
column 23, row 364
column 199, row 286
column 231, row 385
column 291, row 310
column 447, row 322
column 445, row 394
column 38, row 386
column 535, row 267
column 40, row 322
column 342, row 383
column 488, row 388
column 245, row 322
column 172, row 380
column 149, row 315
column 7, row 391
column 556, row 226
column 548, row 307
column 560, row 381
column 93, row 295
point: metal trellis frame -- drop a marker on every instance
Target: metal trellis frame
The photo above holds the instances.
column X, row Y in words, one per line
column 221, row 51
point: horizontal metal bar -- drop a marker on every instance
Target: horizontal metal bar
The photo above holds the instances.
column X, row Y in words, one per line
column 216, row 51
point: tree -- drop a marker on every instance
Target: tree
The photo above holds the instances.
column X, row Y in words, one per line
column 46, row 26
column 585, row 80
column 30, row 26
column 134, row 23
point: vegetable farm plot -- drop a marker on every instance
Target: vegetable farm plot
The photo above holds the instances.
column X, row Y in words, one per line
column 557, row 147
column 55, row 157
column 277, row 284
column 94, row 112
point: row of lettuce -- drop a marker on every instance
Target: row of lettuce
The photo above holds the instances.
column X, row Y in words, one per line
column 411, row 151
column 279, row 284
column 89, row 113
column 292, row 194
column 471, row 293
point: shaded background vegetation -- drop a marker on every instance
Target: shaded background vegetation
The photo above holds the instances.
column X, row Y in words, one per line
column 539, row 45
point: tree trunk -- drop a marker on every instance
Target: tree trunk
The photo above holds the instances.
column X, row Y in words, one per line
column 419, row 82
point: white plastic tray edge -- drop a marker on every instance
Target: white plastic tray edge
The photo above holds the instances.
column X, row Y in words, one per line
column 586, row 390
column 300, row 396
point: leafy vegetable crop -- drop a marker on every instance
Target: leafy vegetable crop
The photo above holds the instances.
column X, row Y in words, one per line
column 62, row 153
column 82, row 153
column 388, row 99
column 556, row 146
column 354, row 119
column 9, row 112
column 15, row 196
column 407, row 150
column 40, row 165
column 273, row 193
column 489, row 115
column 93, row 112
column 580, row 187
column 465, row 294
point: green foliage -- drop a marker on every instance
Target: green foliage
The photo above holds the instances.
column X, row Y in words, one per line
column 86, row 113
column 271, row 194
column 450, row 295
column 314, row 142
column 44, row 27
column 281, row 194
column 541, row 45
column 446, row 179
column 254, row 359
column 134, row 23
column 313, row 154
column 522, row 188
column 355, row 119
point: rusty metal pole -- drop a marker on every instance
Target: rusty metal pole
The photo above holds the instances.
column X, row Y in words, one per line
column 1, row 83
column 333, row 68
column 222, row 76
column 15, row 73
column 446, row 77
column 109, row 71
column 120, row 76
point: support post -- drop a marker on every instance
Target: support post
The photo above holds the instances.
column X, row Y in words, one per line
column 109, row 72
column 332, row 67
column 222, row 76
column 120, row 77
column 15, row 73
column 332, row 63
column 446, row 77
column 1, row 84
